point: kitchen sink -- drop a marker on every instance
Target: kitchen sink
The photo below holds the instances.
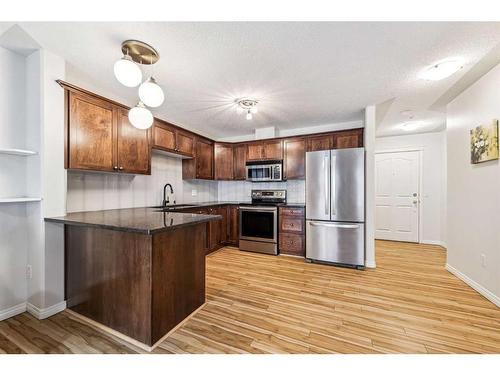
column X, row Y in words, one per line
column 173, row 207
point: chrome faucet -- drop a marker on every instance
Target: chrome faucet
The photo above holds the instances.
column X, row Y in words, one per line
column 166, row 199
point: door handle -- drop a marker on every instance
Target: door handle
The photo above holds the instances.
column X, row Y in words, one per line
column 326, row 169
column 342, row 226
column 333, row 195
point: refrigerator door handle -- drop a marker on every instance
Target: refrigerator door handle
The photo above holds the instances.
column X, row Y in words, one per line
column 326, row 169
column 333, row 184
column 342, row 226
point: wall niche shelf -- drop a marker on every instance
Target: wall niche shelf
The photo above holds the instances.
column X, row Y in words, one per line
column 20, row 199
column 17, row 151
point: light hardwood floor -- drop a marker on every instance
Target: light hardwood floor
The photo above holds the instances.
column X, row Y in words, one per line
column 264, row 304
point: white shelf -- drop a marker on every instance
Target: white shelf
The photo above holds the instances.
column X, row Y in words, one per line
column 17, row 151
column 20, row 199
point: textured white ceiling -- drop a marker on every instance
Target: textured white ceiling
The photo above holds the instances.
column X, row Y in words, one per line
column 304, row 74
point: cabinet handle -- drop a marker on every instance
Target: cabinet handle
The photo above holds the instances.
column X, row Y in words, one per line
column 115, row 167
column 121, row 168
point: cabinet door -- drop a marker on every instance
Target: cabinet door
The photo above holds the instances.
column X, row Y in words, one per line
column 204, row 160
column 348, row 139
column 90, row 133
column 164, row 136
column 295, row 158
column 215, row 234
column 133, row 151
column 255, row 151
column 223, row 161
column 185, row 143
column 273, row 150
column 223, row 211
column 320, row 142
column 234, row 224
column 239, row 162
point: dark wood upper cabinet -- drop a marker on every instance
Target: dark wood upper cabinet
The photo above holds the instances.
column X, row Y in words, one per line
column 294, row 162
column 348, row 139
column 255, row 151
column 239, row 161
column 100, row 137
column 185, row 143
column 273, row 149
column 90, row 133
column 167, row 137
column 204, row 159
column 265, row 150
column 133, row 151
column 223, row 155
column 164, row 136
column 320, row 142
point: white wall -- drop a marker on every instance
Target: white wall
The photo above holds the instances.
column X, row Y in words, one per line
column 473, row 191
column 369, row 142
column 13, row 239
column 433, row 196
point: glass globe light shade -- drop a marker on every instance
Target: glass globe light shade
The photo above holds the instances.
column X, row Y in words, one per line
column 140, row 117
column 151, row 94
column 127, row 72
column 249, row 115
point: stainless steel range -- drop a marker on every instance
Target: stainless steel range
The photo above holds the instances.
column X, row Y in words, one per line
column 259, row 221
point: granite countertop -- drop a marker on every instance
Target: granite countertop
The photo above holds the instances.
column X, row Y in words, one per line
column 221, row 203
column 140, row 220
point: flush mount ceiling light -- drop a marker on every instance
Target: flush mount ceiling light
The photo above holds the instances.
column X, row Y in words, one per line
column 140, row 117
column 409, row 126
column 442, row 70
column 247, row 105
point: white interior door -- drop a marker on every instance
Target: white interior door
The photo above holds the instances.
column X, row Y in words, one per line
column 397, row 181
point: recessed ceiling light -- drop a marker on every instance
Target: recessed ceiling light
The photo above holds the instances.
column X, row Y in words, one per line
column 442, row 70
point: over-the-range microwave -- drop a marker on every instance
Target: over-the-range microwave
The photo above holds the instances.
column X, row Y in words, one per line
column 261, row 171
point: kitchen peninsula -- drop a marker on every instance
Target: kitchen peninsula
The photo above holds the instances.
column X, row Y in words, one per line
column 138, row 271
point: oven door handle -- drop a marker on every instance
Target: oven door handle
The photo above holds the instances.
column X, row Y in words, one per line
column 270, row 209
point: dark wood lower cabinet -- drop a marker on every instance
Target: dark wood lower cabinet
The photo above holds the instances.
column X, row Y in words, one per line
column 137, row 284
column 292, row 231
column 234, row 225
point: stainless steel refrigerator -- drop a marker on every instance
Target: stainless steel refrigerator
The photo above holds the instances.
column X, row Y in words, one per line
column 335, row 206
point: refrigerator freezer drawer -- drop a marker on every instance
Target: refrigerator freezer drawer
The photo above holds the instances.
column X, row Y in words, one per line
column 335, row 242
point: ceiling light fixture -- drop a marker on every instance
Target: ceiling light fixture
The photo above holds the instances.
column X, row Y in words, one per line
column 128, row 73
column 140, row 117
column 442, row 70
column 409, row 126
column 247, row 105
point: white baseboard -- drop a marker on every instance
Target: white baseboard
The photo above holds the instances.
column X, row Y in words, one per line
column 12, row 311
column 474, row 285
column 46, row 312
column 434, row 242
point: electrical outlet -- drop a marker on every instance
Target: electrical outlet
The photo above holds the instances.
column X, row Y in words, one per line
column 29, row 271
column 194, row 192
column 483, row 260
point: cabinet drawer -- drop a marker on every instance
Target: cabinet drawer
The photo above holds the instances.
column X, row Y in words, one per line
column 292, row 224
column 292, row 211
column 292, row 244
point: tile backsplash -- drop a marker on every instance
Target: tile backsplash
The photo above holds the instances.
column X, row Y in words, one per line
column 240, row 190
column 90, row 191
